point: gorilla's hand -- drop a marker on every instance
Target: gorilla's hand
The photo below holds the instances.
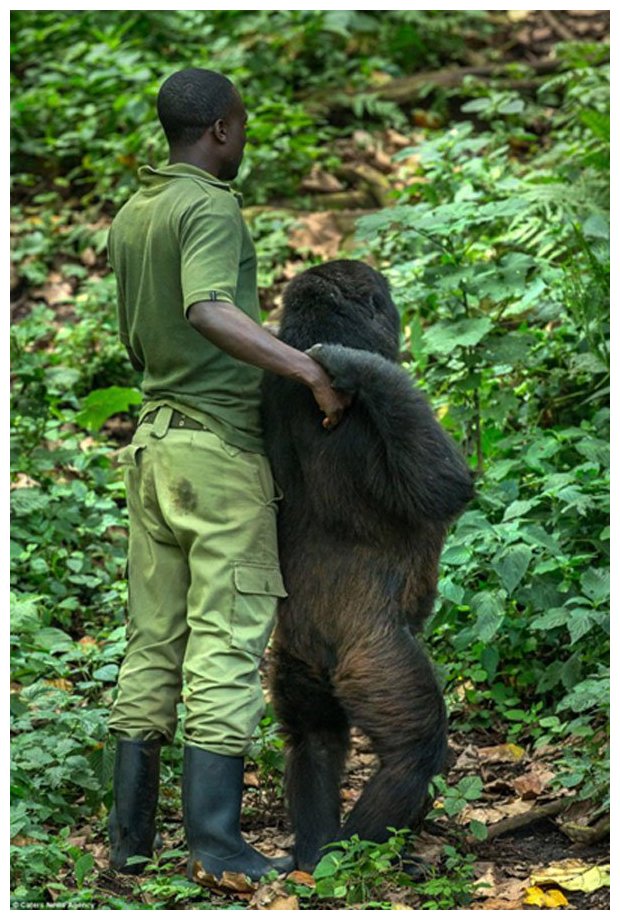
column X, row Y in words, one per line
column 342, row 365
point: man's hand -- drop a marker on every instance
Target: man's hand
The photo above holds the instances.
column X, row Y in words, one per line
column 330, row 401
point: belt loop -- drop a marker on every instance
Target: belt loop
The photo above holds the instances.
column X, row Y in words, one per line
column 162, row 422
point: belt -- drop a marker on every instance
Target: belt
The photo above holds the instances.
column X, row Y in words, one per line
column 177, row 420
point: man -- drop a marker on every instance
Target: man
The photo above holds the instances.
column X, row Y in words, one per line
column 203, row 569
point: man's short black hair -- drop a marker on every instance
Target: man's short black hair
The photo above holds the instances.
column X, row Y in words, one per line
column 192, row 100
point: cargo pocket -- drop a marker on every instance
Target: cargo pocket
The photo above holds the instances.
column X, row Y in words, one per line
column 257, row 589
column 130, row 455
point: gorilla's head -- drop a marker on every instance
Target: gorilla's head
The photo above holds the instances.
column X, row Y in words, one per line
column 344, row 302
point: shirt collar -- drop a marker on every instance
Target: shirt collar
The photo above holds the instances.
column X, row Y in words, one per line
column 180, row 171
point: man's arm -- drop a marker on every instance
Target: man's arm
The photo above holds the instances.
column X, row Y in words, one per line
column 230, row 329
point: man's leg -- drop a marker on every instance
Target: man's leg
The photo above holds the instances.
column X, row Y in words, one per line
column 149, row 688
column 221, row 505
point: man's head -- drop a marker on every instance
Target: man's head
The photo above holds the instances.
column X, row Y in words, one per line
column 204, row 119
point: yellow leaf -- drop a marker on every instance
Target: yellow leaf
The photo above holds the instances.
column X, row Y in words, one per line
column 573, row 875
column 550, row 899
column 555, row 898
column 501, row 753
column 61, row 684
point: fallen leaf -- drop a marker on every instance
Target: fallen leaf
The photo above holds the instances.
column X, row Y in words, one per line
column 78, row 840
column 290, row 269
column 301, row 878
column 55, row 290
column 491, row 884
column 101, row 853
column 88, row 257
column 467, row 759
column 317, row 233
column 273, row 896
column 501, row 753
column 518, row 15
column 493, row 813
column 229, row 881
column 395, row 906
column 384, row 162
column 362, row 138
column 289, row 903
column 487, row 882
column 573, row 875
column 23, row 482
column 396, row 139
column 532, row 783
column 551, row 899
column 497, row 904
column 60, row 683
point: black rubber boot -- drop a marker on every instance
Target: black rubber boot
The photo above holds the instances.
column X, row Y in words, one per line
column 136, row 789
column 212, row 790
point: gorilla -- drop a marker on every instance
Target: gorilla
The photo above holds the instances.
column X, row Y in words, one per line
column 363, row 517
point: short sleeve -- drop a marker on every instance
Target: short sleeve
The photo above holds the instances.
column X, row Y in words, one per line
column 210, row 238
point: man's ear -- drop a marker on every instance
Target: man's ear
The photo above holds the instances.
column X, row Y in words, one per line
column 220, row 130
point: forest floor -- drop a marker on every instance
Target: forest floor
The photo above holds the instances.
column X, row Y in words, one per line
column 540, row 851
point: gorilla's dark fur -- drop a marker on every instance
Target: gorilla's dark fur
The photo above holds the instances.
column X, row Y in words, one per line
column 361, row 527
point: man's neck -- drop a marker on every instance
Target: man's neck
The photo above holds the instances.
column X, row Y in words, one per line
column 194, row 158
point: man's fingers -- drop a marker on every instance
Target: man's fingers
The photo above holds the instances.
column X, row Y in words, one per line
column 332, row 419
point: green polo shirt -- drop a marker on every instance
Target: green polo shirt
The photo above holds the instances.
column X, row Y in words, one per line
column 180, row 239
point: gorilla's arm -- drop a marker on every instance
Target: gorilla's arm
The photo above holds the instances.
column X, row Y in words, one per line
column 389, row 445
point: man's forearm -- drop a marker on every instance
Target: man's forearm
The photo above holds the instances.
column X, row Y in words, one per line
column 230, row 329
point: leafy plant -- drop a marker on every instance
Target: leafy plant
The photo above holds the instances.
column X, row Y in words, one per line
column 358, row 871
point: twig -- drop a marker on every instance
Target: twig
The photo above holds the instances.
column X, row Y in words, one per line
column 559, row 27
column 550, row 810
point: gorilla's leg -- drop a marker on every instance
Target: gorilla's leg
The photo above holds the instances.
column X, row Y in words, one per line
column 318, row 738
column 389, row 690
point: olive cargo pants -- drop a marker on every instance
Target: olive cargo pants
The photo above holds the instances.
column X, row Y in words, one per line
column 204, row 580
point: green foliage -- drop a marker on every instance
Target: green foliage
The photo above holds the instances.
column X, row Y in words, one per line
column 501, row 268
column 452, row 886
column 84, row 84
column 100, row 405
column 362, row 874
column 453, row 799
column 267, row 752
